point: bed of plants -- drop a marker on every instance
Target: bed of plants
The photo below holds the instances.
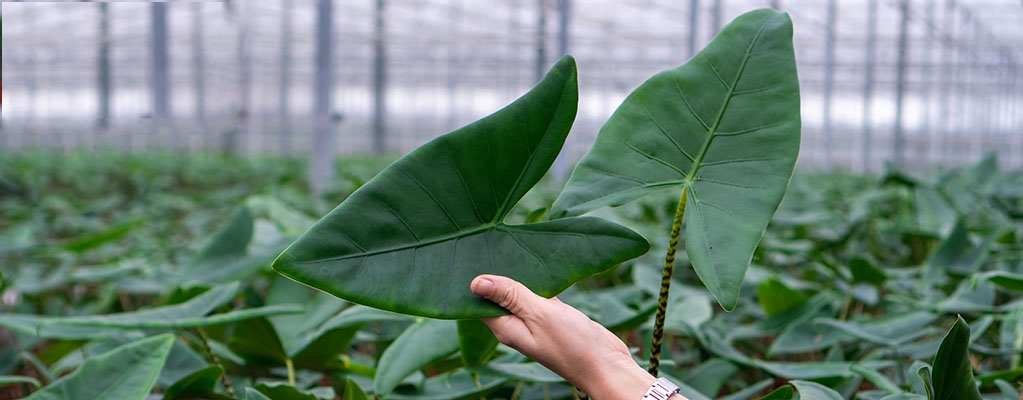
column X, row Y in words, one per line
column 166, row 275
column 854, row 286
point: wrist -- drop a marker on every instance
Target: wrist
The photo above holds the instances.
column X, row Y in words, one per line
column 619, row 381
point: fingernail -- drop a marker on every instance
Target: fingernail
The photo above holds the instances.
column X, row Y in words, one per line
column 483, row 287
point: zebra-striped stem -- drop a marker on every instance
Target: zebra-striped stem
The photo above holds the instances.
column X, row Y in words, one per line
column 662, row 300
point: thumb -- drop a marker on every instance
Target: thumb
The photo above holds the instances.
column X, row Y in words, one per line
column 507, row 293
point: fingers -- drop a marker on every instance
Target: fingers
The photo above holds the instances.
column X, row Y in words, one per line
column 510, row 330
column 507, row 293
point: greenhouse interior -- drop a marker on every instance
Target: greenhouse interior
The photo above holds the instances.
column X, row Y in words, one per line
column 512, row 199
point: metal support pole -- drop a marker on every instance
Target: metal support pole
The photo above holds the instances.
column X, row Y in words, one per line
column 322, row 166
column 564, row 25
column 241, row 125
column 379, row 80
column 198, row 66
column 103, row 77
column 868, row 86
column 976, row 125
column 924, row 152
column 694, row 22
column 284, row 91
column 900, row 85
column 455, row 64
column 511, row 60
column 4, row 141
column 160, row 85
column 541, row 39
column 31, row 68
column 716, row 11
column 944, row 95
column 959, row 95
column 776, row 4
column 1016, row 113
column 829, row 80
column 561, row 167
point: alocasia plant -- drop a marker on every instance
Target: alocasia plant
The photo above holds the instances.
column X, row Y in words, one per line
column 412, row 238
column 725, row 128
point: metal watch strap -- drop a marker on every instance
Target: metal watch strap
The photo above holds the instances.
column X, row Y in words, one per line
column 661, row 389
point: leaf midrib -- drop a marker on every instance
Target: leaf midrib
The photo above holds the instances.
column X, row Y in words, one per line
column 499, row 214
column 712, row 133
column 422, row 243
column 505, row 208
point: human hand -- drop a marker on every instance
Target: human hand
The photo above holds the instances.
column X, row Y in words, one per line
column 564, row 340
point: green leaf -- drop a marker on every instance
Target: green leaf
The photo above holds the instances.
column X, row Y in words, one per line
column 226, row 257
column 476, row 341
column 253, row 394
column 803, row 337
column 890, row 331
column 457, row 385
column 287, row 392
column 1005, row 280
column 116, row 322
column 878, row 379
column 353, row 391
column 782, row 393
column 96, row 326
column 952, row 377
column 814, row 370
column 422, row 343
column 748, row 392
column 321, row 346
column 104, row 236
column 905, row 396
column 11, row 379
column 257, row 343
column 181, row 362
column 777, row 298
column 412, row 238
column 125, row 373
column 185, row 315
column 922, row 386
column 526, row 372
column 725, row 126
column 815, row 391
column 1008, row 391
column 864, row 271
column 709, row 377
column 295, row 331
column 955, row 254
column 229, row 241
column 202, row 382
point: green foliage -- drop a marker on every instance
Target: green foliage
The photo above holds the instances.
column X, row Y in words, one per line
column 127, row 372
column 149, row 275
column 334, row 341
column 476, row 342
column 436, row 218
column 353, row 391
column 422, row 343
column 200, row 383
column 725, row 126
column 952, row 378
column 777, row 298
column 815, row 391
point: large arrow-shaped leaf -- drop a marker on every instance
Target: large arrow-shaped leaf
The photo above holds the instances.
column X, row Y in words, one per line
column 725, row 126
column 412, row 238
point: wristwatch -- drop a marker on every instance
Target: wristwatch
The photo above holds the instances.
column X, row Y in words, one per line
column 661, row 389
